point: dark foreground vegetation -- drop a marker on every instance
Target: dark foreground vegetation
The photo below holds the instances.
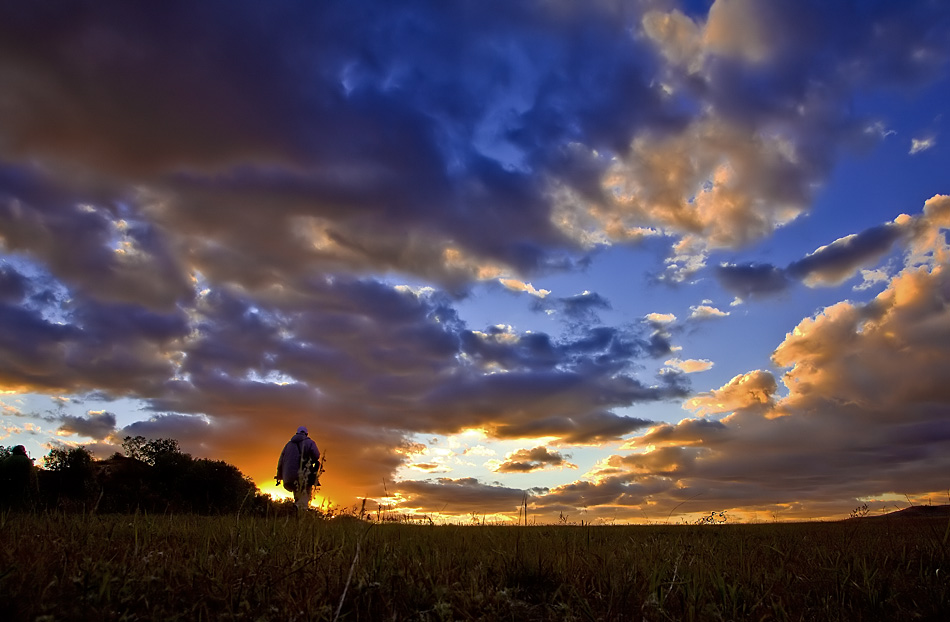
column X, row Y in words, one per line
column 58, row 566
column 152, row 476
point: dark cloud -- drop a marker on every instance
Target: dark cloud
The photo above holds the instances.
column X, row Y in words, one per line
column 886, row 44
column 753, row 279
column 12, row 284
column 597, row 349
column 687, row 432
column 431, row 467
column 374, row 152
column 459, row 496
column 122, row 349
column 528, row 460
column 368, row 364
column 88, row 235
column 592, row 429
column 581, row 308
column 839, row 260
column 373, row 140
column 96, row 425
column 569, row 405
column 192, row 431
column 829, row 265
column 608, row 493
column 371, row 151
column 498, row 346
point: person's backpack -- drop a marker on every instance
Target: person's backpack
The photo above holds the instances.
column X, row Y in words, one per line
column 310, row 468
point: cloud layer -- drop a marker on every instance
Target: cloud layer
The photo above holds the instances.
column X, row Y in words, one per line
column 226, row 211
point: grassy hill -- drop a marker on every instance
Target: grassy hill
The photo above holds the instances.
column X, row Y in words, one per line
column 913, row 512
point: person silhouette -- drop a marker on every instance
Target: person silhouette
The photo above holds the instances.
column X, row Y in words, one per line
column 18, row 480
column 298, row 467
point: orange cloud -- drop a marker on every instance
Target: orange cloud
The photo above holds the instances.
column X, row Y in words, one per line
column 754, row 389
column 529, row 460
column 690, row 366
column 520, row 286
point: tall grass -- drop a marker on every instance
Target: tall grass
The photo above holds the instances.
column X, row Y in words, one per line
column 67, row 567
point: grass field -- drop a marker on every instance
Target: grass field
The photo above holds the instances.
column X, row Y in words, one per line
column 120, row 567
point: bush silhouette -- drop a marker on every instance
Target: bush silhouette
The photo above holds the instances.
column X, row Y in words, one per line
column 154, row 476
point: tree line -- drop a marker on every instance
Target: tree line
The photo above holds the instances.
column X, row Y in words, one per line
column 152, row 475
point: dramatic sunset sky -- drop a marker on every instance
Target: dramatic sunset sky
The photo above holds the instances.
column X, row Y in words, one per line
column 634, row 259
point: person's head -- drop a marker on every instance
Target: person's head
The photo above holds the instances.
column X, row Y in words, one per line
column 19, row 450
column 302, row 430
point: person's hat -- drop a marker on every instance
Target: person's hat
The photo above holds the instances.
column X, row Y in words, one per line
column 302, row 430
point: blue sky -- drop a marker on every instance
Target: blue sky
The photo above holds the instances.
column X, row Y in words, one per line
column 623, row 257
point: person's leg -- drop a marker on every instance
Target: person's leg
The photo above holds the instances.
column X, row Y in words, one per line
column 302, row 497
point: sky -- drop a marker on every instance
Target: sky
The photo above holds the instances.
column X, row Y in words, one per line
column 621, row 261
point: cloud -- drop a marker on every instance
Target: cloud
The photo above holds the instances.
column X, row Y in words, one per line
column 829, row 265
column 116, row 255
column 751, row 390
column 742, row 29
column 222, row 228
column 6, row 430
column 479, row 450
column 97, row 425
column 922, row 144
column 705, row 312
column 529, row 460
column 517, row 173
column 13, row 285
column 582, row 307
column 10, row 409
column 366, row 364
column 343, row 187
column 677, row 37
column 689, row 366
column 363, row 164
column 838, row 261
column 732, row 176
column 458, row 496
column 168, row 426
column 117, row 348
column 427, row 467
column 518, row 286
column 870, row 278
column 752, row 279
column 898, row 333
column 660, row 319
column 687, row 432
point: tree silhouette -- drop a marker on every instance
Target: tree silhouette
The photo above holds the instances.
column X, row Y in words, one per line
column 154, row 476
column 149, row 451
column 69, row 480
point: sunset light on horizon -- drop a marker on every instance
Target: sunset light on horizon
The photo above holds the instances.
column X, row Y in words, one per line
column 615, row 261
